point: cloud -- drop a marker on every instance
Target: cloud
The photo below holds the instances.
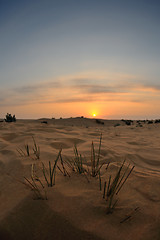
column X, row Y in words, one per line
column 80, row 89
column 36, row 87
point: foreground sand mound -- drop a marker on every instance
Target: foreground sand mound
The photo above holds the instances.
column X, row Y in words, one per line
column 35, row 220
column 75, row 208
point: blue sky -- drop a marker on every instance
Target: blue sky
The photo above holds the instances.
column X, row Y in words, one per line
column 57, row 55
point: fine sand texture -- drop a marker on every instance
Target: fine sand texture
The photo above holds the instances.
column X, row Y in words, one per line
column 75, row 207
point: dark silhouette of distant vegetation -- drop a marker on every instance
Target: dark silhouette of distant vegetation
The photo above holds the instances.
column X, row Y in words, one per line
column 157, row 121
column 44, row 122
column 127, row 122
column 150, row 122
column 99, row 121
column 10, row 118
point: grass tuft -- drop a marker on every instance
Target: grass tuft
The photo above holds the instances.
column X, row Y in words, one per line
column 36, row 149
column 27, row 152
column 78, row 161
column 114, row 188
column 63, row 170
column 50, row 175
column 95, row 164
column 37, row 190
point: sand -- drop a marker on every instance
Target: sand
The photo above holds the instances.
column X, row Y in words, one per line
column 75, row 209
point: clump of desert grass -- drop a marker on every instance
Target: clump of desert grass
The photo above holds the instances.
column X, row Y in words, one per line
column 35, row 185
column 50, row 173
column 31, row 152
column 95, row 161
column 62, row 169
column 113, row 186
column 78, row 164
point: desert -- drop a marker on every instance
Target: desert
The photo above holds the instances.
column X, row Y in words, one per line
column 74, row 207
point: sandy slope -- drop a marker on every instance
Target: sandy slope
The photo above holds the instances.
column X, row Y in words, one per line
column 75, row 208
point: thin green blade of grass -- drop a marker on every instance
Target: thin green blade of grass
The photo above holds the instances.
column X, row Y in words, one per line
column 35, row 145
column 32, row 186
column 110, row 203
column 21, row 152
column 50, row 173
column 123, row 176
column 69, row 164
column 125, row 180
column 93, row 159
column 44, row 173
column 35, row 190
column 115, row 203
column 78, row 161
column 81, row 164
column 27, row 150
column 108, row 187
column 64, row 169
column 99, row 150
column 37, row 179
column 54, row 168
column 115, row 180
column 40, row 196
column 60, row 169
column 98, row 170
column 111, row 206
column 107, row 166
column 36, row 149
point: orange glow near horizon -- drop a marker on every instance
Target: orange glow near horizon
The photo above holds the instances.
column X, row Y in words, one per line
column 103, row 109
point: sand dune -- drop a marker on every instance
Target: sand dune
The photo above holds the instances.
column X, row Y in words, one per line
column 75, row 209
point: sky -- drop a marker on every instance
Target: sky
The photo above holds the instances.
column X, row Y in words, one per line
column 64, row 58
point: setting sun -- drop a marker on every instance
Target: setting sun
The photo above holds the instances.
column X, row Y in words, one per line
column 94, row 115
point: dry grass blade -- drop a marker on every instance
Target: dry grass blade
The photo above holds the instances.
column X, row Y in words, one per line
column 99, row 151
column 36, row 149
column 108, row 187
column 69, row 164
column 100, row 181
column 116, row 185
column 125, row 180
column 34, row 187
column 78, row 161
column 107, row 165
column 130, row 215
column 95, row 165
column 27, row 150
column 123, row 176
column 44, row 173
column 65, row 172
column 93, row 159
column 52, row 171
column 115, row 181
column 21, row 152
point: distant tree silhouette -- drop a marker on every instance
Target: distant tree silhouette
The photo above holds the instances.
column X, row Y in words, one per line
column 10, row 118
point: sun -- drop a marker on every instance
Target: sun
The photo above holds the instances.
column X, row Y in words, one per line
column 94, row 115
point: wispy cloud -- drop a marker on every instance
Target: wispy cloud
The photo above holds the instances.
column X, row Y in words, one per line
column 86, row 88
column 36, row 87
